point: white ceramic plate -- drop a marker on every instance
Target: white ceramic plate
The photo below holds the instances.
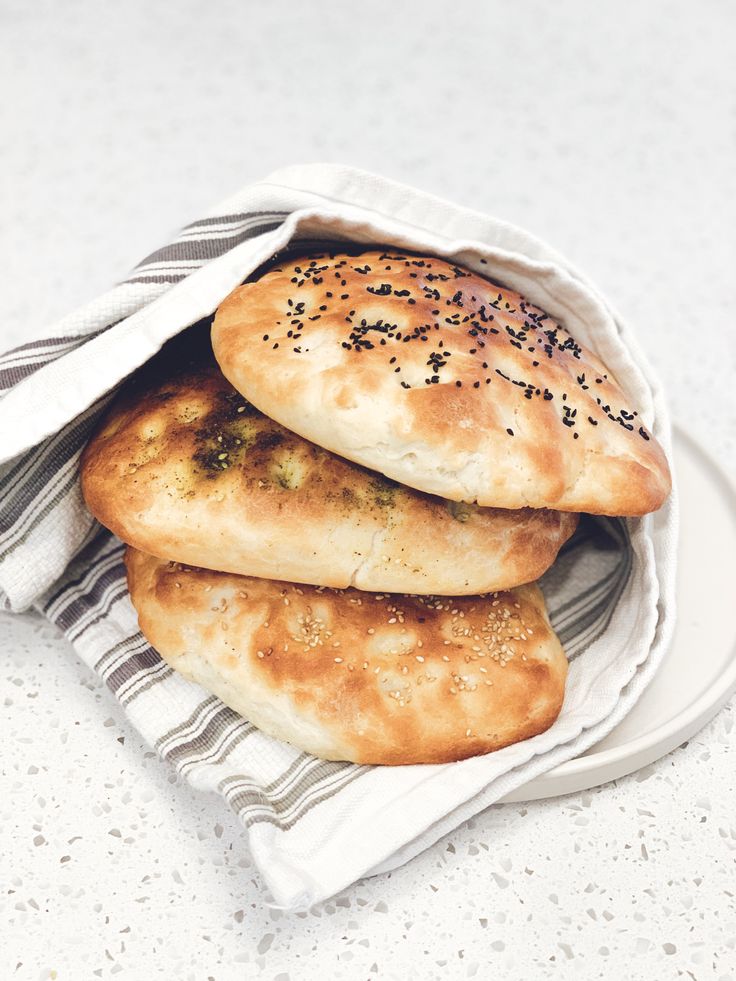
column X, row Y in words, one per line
column 698, row 673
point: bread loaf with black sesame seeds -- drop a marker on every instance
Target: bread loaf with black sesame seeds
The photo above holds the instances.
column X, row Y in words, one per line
column 365, row 677
column 440, row 379
column 184, row 467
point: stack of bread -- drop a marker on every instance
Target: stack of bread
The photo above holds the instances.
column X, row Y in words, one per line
column 337, row 501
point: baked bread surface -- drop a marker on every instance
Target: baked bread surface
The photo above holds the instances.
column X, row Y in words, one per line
column 346, row 675
column 185, row 468
column 440, row 379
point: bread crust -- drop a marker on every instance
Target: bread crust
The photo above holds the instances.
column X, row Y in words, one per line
column 440, row 379
column 183, row 467
column 346, row 675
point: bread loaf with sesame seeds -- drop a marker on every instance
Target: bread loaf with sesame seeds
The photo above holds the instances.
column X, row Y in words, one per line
column 183, row 467
column 440, row 379
column 365, row 677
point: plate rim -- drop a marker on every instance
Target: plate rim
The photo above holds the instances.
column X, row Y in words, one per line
column 714, row 696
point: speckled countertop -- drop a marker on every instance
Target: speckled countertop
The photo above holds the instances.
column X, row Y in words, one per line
column 608, row 130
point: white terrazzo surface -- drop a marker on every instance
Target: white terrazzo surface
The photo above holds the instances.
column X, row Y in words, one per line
column 608, row 129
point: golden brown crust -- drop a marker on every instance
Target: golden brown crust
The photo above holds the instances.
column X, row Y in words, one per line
column 440, row 379
column 183, row 467
column 372, row 678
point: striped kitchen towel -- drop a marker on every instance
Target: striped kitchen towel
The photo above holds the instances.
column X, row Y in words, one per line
column 314, row 827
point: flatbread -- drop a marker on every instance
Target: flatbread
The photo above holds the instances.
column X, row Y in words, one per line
column 347, row 675
column 441, row 380
column 183, row 467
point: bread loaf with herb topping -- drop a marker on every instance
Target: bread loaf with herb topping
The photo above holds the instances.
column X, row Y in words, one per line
column 440, row 379
column 183, row 467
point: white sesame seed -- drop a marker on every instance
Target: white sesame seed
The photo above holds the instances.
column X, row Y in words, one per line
column 419, row 658
column 338, row 660
column 468, row 732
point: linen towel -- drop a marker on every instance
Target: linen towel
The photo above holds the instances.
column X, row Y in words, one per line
column 314, row 827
